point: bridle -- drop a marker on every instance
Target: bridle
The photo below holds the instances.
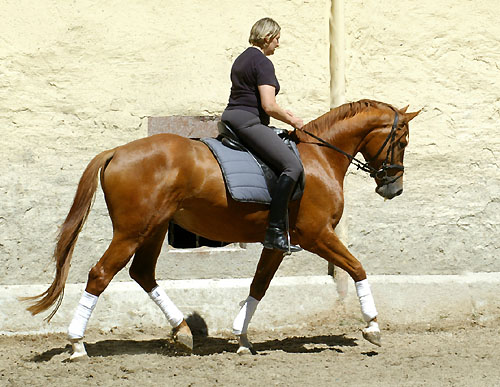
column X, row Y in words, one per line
column 382, row 173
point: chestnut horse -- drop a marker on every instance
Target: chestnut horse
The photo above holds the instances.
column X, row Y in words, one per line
column 151, row 181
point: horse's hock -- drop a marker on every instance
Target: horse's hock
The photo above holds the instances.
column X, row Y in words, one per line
column 207, row 259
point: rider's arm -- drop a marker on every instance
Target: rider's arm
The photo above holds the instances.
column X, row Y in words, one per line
column 271, row 107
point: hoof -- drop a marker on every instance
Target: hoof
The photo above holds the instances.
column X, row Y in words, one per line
column 76, row 357
column 184, row 341
column 245, row 347
column 182, row 336
column 79, row 352
column 372, row 333
column 245, row 351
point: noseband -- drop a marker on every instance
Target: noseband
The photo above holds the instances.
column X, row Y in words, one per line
column 381, row 173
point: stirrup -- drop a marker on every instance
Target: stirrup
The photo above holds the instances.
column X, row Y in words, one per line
column 275, row 240
column 292, row 248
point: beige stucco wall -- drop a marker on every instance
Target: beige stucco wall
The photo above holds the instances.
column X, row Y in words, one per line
column 76, row 78
column 80, row 77
column 443, row 57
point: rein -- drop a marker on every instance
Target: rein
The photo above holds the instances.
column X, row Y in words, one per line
column 380, row 173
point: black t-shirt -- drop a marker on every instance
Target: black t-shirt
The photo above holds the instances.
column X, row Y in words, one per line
column 250, row 70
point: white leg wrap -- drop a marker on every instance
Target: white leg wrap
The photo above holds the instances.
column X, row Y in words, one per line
column 366, row 300
column 76, row 329
column 240, row 324
column 171, row 312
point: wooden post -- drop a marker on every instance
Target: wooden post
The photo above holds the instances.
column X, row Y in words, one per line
column 337, row 54
column 337, row 97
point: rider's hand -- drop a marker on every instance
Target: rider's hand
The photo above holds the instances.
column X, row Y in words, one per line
column 296, row 122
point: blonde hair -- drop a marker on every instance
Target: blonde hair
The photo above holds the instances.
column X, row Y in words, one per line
column 262, row 29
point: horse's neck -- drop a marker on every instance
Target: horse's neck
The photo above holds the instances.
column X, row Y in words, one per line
column 347, row 135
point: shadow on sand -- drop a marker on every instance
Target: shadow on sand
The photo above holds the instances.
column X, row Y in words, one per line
column 204, row 345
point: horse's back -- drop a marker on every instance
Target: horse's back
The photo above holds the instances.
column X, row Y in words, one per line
column 144, row 172
column 161, row 152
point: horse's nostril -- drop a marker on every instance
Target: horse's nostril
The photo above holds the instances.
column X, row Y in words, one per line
column 399, row 192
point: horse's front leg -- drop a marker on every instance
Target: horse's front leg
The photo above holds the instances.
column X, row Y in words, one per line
column 269, row 262
column 328, row 246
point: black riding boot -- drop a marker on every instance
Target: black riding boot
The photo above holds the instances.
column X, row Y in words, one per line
column 277, row 231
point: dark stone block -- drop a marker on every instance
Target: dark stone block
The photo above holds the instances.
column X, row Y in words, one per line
column 187, row 126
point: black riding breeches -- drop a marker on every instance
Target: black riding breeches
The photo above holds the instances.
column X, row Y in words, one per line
column 264, row 141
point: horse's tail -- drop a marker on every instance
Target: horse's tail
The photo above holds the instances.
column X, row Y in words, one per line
column 68, row 235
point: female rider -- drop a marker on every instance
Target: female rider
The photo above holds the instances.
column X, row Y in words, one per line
column 251, row 102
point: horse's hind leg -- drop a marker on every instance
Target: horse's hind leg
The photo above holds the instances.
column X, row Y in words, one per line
column 142, row 271
column 114, row 259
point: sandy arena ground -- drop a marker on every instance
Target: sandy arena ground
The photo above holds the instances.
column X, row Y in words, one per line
column 318, row 356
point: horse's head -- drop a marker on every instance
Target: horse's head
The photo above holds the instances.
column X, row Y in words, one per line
column 384, row 148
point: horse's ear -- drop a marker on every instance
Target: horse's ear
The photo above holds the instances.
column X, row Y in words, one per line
column 411, row 116
column 403, row 110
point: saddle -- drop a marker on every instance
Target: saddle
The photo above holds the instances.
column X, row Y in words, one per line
column 247, row 177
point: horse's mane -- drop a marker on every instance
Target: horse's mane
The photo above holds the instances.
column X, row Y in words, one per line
column 343, row 112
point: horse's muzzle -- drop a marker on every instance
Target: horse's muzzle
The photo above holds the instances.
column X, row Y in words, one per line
column 391, row 190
